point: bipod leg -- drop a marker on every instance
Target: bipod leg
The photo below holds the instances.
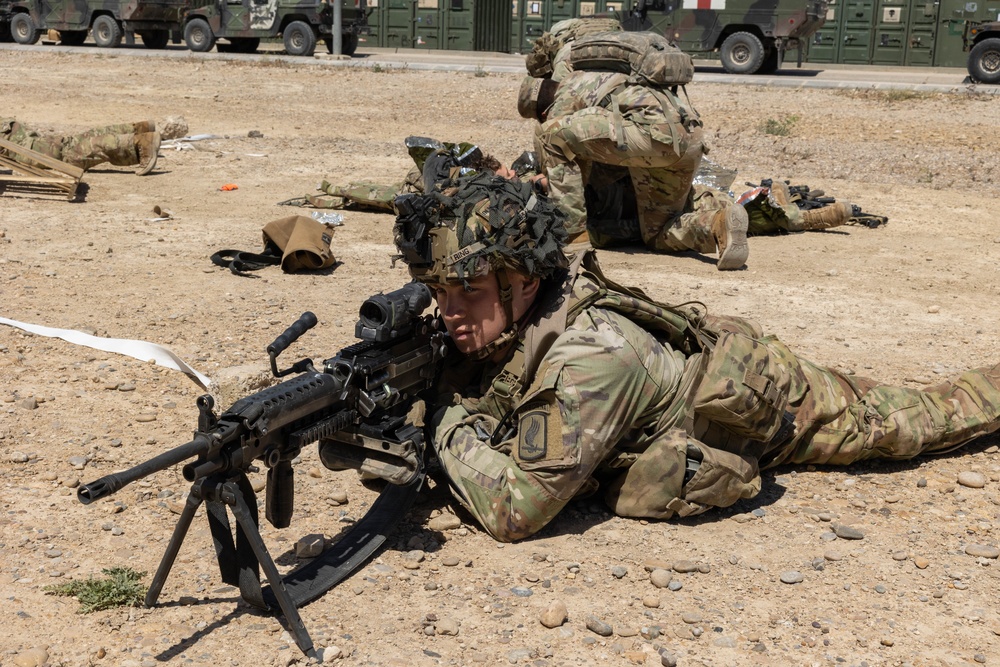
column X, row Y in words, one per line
column 246, row 522
column 194, row 500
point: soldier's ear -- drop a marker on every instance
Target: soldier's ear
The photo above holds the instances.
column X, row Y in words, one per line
column 529, row 287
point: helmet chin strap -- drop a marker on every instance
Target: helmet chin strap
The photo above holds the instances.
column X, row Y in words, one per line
column 513, row 329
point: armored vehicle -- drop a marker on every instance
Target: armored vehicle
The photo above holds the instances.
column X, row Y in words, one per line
column 241, row 23
column 982, row 41
column 749, row 36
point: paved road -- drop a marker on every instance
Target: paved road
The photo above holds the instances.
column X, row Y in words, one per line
column 811, row 75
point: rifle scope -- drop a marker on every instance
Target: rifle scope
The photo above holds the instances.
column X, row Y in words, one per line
column 387, row 316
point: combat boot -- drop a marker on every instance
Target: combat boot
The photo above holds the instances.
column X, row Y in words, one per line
column 780, row 194
column 147, row 145
column 143, row 127
column 730, row 230
column 831, row 215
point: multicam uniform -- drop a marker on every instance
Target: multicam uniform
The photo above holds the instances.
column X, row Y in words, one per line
column 598, row 118
column 116, row 144
column 664, row 428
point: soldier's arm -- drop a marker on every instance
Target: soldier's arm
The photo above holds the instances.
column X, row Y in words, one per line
column 591, row 390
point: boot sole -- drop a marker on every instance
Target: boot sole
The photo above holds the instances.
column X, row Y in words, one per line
column 149, row 166
column 737, row 249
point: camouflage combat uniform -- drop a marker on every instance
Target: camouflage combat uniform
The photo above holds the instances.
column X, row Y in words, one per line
column 667, row 429
column 115, row 144
column 597, row 118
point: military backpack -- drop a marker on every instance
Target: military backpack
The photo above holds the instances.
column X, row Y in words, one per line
column 647, row 57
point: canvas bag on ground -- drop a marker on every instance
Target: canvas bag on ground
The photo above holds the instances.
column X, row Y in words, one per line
column 297, row 243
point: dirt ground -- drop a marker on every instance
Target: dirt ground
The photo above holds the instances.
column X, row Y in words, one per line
column 910, row 303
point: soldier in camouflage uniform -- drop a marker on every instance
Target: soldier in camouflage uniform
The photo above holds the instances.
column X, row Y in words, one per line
column 123, row 145
column 567, row 383
column 596, row 122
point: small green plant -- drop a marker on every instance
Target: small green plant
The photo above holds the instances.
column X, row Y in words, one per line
column 121, row 588
column 779, row 128
column 480, row 72
column 377, row 68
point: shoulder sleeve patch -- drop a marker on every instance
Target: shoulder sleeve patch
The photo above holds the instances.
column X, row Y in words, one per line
column 539, row 435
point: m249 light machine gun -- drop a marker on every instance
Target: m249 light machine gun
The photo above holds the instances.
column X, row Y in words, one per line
column 355, row 406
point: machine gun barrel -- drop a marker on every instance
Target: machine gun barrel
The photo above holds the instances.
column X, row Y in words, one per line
column 109, row 484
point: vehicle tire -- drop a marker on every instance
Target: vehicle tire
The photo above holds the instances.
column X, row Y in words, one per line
column 770, row 65
column 300, row 39
column 23, row 29
column 984, row 61
column 242, row 44
column 106, row 31
column 72, row 37
column 742, row 53
column 348, row 44
column 155, row 39
column 198, row 35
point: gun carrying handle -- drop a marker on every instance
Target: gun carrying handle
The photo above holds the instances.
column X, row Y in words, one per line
column 305, row 322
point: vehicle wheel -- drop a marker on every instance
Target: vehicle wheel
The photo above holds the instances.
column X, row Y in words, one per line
column 348, row 44
column 299, row 38
column 242, row 44
column 72, row 37
column 23, row 29
column 106, row 31
column 771, row 63
column 198, row 35
column 742, row 53
column 155, row 39
column 984, row 61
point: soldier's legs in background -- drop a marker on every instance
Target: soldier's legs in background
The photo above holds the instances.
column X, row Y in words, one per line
column 141, row 127
column 880, row 421
column 22, row 135
column 87, row 151
column 590, row 137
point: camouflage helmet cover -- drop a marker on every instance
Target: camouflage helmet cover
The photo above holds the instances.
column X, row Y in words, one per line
column 527, row 97
column 476, row 224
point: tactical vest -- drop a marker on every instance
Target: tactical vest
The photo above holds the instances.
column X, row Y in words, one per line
column 685, row 327
column 646, row 57
column 742, row 420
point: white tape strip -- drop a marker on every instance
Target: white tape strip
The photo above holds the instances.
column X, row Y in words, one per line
column 138, row 349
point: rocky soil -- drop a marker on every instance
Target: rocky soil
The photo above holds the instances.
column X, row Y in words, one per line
column 877, row 564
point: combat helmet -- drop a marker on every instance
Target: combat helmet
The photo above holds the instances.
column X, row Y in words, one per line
column 469, row 226
column 535, row 97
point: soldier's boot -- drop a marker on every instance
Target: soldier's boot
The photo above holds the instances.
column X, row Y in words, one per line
column 831, row 215
column 780, row 193
column 147, row 145
column 730, row 230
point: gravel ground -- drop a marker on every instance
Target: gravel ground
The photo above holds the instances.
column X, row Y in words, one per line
column 880, row 564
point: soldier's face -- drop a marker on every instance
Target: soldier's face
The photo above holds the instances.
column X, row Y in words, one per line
column 475, row 318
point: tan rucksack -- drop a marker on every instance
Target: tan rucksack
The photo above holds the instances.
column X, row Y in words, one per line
column 541, row 60
column 647, row 57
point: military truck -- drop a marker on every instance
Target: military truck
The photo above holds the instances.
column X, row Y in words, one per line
column 982, row 41
column 748, row 36
column 301, row 23
column 107, row 20
column 241, row 23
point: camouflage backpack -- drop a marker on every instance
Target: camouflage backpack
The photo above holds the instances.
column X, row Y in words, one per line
column 544, row 49
column 647, row 57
